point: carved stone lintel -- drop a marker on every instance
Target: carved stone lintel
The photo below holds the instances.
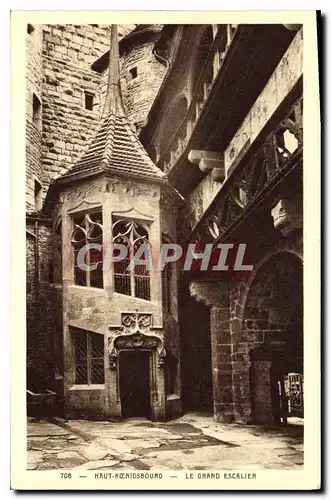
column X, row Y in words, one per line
column 209, row 161
column 210, row 293
column 287, row 215
column 135, row 333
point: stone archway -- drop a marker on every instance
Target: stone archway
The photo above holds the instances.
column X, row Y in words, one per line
column 272, row 331
column 136, row 351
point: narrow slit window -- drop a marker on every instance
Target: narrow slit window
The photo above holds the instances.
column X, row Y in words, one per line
column 89, row 101
column 166, row 284
column 37, row 195
column 36, row 111
column 133, row 73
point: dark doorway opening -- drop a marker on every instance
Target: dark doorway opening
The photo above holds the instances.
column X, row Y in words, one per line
column 134, row 383
column 277, row 384
column 196, row 371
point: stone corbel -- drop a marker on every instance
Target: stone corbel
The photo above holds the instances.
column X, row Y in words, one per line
column 287, row 215
column 210, row 293
column 209, row 162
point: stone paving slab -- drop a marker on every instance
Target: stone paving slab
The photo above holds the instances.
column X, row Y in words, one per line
column 212, row 458
column 43, row 428
column 191, row 442
column 97, row 464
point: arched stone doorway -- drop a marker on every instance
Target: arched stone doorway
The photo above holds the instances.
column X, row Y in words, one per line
column 273, row 325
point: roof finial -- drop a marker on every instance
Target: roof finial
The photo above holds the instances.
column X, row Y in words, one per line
column 113, row 102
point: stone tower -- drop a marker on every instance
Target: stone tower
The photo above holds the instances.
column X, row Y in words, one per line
column 142, row 71
column 34, row 174
column 120, row 338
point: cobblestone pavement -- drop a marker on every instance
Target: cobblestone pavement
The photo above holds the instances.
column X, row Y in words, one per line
column 192, row 442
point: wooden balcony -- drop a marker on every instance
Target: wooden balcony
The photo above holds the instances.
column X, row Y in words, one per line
column 237, row 67
column 258, row 170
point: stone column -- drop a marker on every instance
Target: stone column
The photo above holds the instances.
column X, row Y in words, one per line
column 221, row 364
column 216, row 295
column 262, row 406
column 107, row 206
column 67, row 281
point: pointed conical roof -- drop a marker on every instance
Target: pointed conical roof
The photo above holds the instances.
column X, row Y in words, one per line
column 115, row 147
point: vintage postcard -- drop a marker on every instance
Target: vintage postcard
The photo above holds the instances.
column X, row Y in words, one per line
column 165, row 292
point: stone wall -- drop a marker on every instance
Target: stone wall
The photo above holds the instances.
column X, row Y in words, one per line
column 44, row 305
column 139, row 92
column 250, row 328
column 68, row 52
column 59, row 73
column 59, row 59
column 247, row 313
column 33, row 127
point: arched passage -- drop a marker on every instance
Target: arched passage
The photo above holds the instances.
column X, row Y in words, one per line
column 273, row 327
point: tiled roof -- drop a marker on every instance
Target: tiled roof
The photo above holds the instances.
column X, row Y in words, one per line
column 115, row 148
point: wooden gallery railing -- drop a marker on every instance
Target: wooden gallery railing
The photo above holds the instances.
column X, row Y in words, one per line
column 248, row 183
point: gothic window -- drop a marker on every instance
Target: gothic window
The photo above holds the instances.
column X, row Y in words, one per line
column 89, row 357
column 88, row 231
column 134, row 282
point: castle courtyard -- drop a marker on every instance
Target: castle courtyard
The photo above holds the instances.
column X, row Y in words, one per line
column 192, row 442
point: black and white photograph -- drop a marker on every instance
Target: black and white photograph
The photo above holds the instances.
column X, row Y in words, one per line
column 165, row 249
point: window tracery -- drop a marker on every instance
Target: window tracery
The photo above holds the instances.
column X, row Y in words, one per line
column 87, row 231
column 135, row 281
